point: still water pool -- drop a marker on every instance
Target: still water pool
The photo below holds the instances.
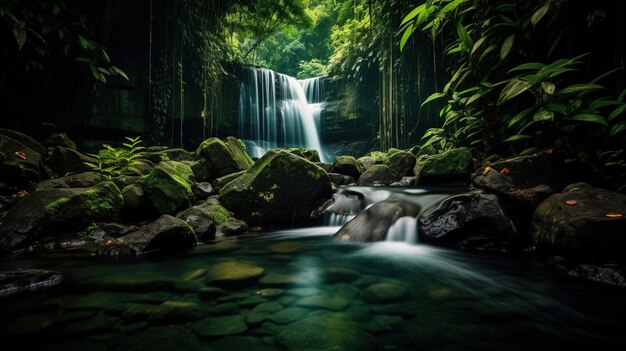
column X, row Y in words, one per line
column 301, row 290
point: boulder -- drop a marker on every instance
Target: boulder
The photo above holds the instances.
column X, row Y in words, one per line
column 309, row 154
column 340, row 179
column 27, row 280
column 54, row 212
column 472, row 220
column 167, row 233
column 325, row 333
column 374, row 223
column 201, row 222
column 401, row 164
column 59, row 139
column 80, row 180
column 280, row 189
column 199, row 169
column 582, row 222
column 224, row 157
column 202, row 190
column 221, row 181
column 346, row 165
column 25, row 140
column 324, row 166
column 225, row 223
column 450, row 166
column 62, row 161
column 377, row 175
column 365, row 163
column 169, row 187
column 19, row 164
column 135, row 201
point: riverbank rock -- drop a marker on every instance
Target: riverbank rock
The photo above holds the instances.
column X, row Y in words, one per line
column 450, row 166
column 25, row 140
column 346, row 165
column 582, row 222
column 373, row 223
column 224, row 157
column 201, row 222
column 59, row 139
column 62, row 160
column 280, row 189
column 377, row 175
column 54, row 212
column 169, row 187
column 401, row 163
column 472, row 220
column 224, row 220
column 19, row 164
column 340, row 179
column 80, row 180
column 325, row 333
column 165, row 234
column 27, row 280
column 308, row 154
column 135, row 200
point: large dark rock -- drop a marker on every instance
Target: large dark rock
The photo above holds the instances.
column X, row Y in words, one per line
column 450, row 166
column 135, row 200
column 80, row 180
column 25, row 140
column 201, row 222
column 582, row 222
column 377, row 175
column 63, row 161
column 224, row 157
column 59, row 139
column 373, row 223
column 346, row 165
column 340, row 179
column 165, row 234
column 401, row 164
column 19, row 164
column 169, row 187
column 280, row 189
column 325, row 333
column 53, row 212
column 472, row 220
column 27, row 280
column 221, row 181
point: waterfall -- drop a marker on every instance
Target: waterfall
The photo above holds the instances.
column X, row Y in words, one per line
column 274, row 112
column 404, row 229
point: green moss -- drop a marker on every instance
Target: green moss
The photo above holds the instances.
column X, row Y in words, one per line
column 451, row 165
column 53, row 207
column 224, row 157
column 392, row 151
column 169, row 186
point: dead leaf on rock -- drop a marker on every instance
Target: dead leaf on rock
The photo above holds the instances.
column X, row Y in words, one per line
column 20, row 154
column 614, row 215
column 505, row 170
column 487, row 169
column 571, row 202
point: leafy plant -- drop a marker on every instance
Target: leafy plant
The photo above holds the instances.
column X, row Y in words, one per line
column 113, row 162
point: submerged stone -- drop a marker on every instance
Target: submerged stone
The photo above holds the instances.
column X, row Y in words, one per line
column 270, row 292
column 232, row 273
column 333, row 303
column 320, row 333
column 219, row 326
column 288, row 315
column 384, row 292
column 163, row 339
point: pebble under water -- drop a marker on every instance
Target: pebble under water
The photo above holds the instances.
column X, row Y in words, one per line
column 301, row 290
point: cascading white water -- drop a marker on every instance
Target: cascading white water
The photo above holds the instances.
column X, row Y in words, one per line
column 274, row 112
column 404, row 229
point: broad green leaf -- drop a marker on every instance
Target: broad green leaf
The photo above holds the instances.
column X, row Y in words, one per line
column 406, row 36
column 120, row 72
column 538, row 15
column 82, row 59
column 618, row 111
column 586, row 117
column 604, row 75
column 618, row 128
column 518, row 137
column 548, row 87
column 464, row 36
column 20, row 36
column 506, row 46
column 621, row 96
column 580, row 87
column 557, row 107
column 416, row 11
column 513, row 89
column 432, row 97
column 521, row 115
column 477, row 44
column 544, row 115
column 602, row 102
column 527, row 66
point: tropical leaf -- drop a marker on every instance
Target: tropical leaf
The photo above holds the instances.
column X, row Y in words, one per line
column 518, row 137
column 618, row 111
column 540, row 13
column 434, row 96
column 544, row 115
column 618, row 128
column 513, row 89
column 580, row 87
column 527, row 66
column 586, row 117
column 506, row 46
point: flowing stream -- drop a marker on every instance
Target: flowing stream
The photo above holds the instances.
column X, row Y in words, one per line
column 407, row 296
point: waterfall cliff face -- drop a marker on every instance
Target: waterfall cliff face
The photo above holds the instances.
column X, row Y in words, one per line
column 274, row 111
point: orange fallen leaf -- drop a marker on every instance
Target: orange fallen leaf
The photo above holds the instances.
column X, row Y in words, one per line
column 571, row 202
column 19, row 195
column 614, row 215
column 505, row 170
column 487, row 169
column 549, row 151
column 20, row 154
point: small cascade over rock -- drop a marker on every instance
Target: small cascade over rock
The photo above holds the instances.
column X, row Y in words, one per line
column 274, row 111
column 404, row 229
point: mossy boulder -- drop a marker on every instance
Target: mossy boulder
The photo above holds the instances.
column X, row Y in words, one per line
column 582, row 222
column 199, row 169
column 56, row 212
column 201, row 222
column 377, row 175
column 450, row 166
column 346, row 165
column 19, row 164
column 224, row 157
column 392, row 151
column 224, row 220
column 169, row 187
column 280, row 189
column 309, row 154
column 401, row 163
column 62, row 160
column 59, row 139
column 80, row 180
column 221, row 181
column 165, row 234
column 135, row 201
column 365, row 163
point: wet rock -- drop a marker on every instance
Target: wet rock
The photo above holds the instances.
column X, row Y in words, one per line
column 303, row 291
column 383, row 323
column 106, row 231
column 286, row 247
column 267, row 307
column 27, row 280
column 199, row 169
column 404, row 181
column 232, row 273
column 373, row 223
column 81, row 180
column 19, row 164
column 340, row 179
column 270, row 292
column 100, row 323
column 313, row 333
column 169, row 187
column 201, row 222
column 202, row 190
column 224, row 157
column 223, row 220
column 165, row 234
column 252, row 301
column 384, row 293
column 608, row 275
column 450, row 166
column 280, row 279
column 346, row 165
column 171, row 312
column 135, row 200
column 24, row 140
column 219, row 326
column 401, row 164
column 240, row 343
column 59, row 139
column 288, row 315
column 334, row 275
column 55, row 212
column 163, row 339
column 280, row 189
column 366, row 162
column 377, row 175
column 307, row 154
column 324, row 166
column 224, row 309
column 582, row 222
column 474, row 219
column 62, row 161
column 333, row 303
column 210, row 293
